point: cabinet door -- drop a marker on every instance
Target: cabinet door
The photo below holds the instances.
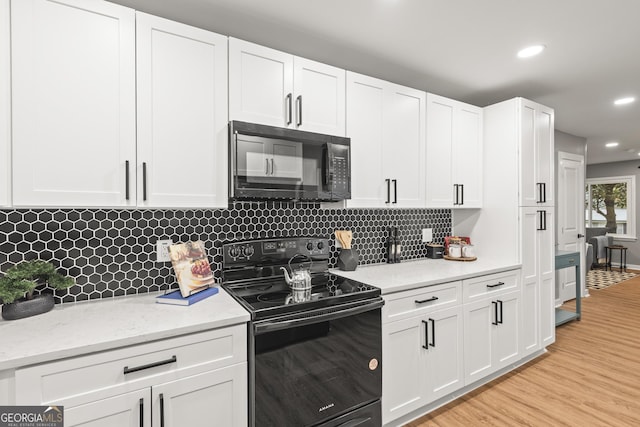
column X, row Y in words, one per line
column 74, row 130
column 404, row 145
column 182, row 114
column 506, row 335
column 529, row 190
column 5, row 103
column 319, row 91
column 260, row 84
column 125, row 410
column 479, row 317
column 530, row 260
column 440, row 134
column 403, row 376
column 545, row 152
column 212, row 398
column 467, row 155
column 365, row 121
column 445, row 370
column 547, row 274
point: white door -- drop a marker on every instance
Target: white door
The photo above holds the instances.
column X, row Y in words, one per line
column 404, row 145
column 319, row 91
column 73, row 100
column 125, row 410
column 182, row 114
column 570, row 221
column 212, row 398
column 365, row 124
column 479, row 319
column 506, row 335
column 403, row 376
column 5, row 103
column 260, row 84
column 467, row 155
column 529, row 190
column 439, row 145
column 445, row 368
column 545, row 153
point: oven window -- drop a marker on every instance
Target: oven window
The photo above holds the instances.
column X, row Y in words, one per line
column 308, row 374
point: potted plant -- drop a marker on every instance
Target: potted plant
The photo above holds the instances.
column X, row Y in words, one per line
column 18, row 284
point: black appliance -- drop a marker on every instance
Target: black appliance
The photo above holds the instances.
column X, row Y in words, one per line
column 317, row 362
column 270, row 163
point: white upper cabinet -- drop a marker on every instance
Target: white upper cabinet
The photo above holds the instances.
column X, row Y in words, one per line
column 454, row 154
column 73, row 103
column 536, row 127
column 5, row 104
column 385, row 122
column 182, row 115
column 274, row 88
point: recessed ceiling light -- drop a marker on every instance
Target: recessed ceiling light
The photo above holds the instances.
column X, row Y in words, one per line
column 530, row 51
column 623, row 101
column 611, row 144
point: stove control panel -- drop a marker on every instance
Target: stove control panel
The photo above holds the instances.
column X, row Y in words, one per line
column 275, row 249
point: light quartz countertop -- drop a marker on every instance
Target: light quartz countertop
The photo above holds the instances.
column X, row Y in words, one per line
column 424, row 272
column 85, row 327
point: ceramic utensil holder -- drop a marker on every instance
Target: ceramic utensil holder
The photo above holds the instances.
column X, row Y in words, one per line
column 348, row 259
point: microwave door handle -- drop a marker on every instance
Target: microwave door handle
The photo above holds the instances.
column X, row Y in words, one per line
column 328, row 170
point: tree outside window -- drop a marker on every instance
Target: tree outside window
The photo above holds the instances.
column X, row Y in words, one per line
column 609, row 204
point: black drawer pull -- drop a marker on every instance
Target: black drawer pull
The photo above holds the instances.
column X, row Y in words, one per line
column 426, row 300
column 128, row 370
column 426, row 335
column 496, row 285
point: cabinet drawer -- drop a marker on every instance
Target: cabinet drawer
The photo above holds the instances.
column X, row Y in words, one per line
column 479, row 287
column 135, row 366
column 416, row 301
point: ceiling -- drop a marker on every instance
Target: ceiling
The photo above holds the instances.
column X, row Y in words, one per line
column 462, row 49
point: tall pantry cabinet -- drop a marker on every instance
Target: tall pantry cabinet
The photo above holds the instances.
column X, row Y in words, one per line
column 516, row 223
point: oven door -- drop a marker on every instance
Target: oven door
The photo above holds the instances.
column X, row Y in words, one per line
column 310, row 368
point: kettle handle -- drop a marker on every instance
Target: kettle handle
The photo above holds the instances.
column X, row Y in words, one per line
column 300, row 255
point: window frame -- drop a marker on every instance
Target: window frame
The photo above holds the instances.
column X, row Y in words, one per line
column 630, row 180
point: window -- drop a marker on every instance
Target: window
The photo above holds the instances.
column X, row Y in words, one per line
column 610, row 202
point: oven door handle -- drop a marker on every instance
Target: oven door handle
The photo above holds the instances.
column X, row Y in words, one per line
column 323, row 316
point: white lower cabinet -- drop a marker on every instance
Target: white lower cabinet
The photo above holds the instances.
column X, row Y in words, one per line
column 195, row 380
column 491, row 335
column 440, row 341
column 422, row 354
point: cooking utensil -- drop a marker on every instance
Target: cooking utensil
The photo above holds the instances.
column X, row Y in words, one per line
column 344, row 237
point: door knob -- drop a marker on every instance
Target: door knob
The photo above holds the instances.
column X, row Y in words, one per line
column 580, row 236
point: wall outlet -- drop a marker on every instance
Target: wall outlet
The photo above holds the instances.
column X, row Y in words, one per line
column 162, row 250
column 427, row 235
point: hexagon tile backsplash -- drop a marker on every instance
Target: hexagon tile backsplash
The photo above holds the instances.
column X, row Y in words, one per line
column 111, row 252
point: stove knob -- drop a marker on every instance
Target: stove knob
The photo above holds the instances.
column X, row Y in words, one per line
column 234, row 251
column 309, row 246
column 320, row 245
column 248, row 251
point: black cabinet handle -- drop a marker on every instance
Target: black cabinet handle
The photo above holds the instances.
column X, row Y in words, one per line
column 495, row 285
column 299, row 108
column 161, row 410
column 544, row 192
column 426, row 300
column 388, row 191
column 126, row 179
column 141, row 412
column 539, row 185
column 500, row 321
column 433, row 332
column 128, row 370
column 144, row 181
column 395, row 190
column 462, row 194
column 455, row 194
column 495, row 312
column 426, row 335
column 289, row 114
column 542, row 220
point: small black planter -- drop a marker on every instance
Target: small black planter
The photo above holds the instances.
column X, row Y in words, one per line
column 348, row 259
column 28, row 307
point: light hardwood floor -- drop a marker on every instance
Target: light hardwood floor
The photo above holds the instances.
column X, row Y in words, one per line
column 589, row 377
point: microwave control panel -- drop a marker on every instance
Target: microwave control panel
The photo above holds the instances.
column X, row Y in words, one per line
column 339, row 169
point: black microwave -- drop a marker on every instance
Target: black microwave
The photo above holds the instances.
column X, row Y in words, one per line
column 272, row 163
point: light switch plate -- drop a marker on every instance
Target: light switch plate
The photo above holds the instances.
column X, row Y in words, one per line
column 162, row 250
column 427, row 235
